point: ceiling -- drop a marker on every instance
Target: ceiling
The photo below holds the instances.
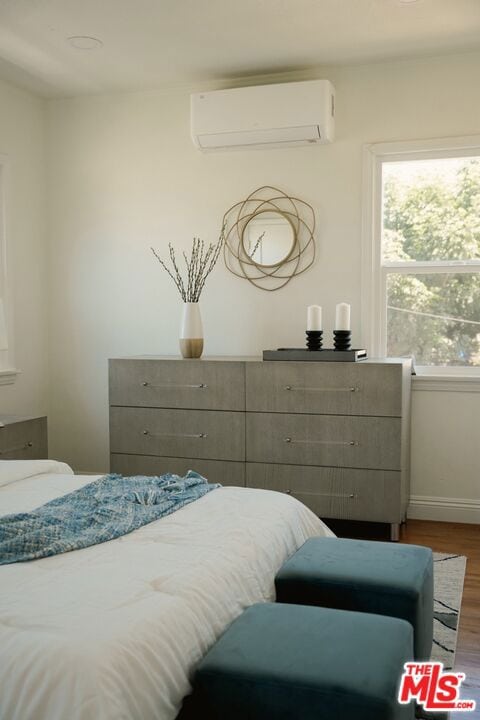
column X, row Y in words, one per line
column 153, row 43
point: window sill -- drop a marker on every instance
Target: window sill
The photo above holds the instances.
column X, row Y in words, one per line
column 447, row 382
column 8, row 377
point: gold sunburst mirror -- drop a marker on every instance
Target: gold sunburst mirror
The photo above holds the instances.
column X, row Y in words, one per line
column 269, row 238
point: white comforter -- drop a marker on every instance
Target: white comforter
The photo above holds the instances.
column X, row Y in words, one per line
column 114, row 631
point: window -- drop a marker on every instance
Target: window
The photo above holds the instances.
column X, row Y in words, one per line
column 423, row 258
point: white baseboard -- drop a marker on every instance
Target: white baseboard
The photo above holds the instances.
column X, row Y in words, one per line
column 462, row 510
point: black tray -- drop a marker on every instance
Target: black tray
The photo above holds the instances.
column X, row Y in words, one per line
column 325, row 355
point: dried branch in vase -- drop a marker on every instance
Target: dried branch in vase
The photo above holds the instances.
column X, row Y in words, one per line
column 199, row 265
column 257, row 245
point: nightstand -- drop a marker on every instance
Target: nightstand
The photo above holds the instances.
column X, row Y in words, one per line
column 23, row 438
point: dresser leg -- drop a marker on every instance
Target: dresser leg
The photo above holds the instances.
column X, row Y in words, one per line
column 395, row 532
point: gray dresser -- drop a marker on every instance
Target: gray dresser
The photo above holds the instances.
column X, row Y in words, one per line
column 23, row 438
column 334, row 435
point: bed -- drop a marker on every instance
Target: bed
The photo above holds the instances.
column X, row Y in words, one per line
column 114, row 631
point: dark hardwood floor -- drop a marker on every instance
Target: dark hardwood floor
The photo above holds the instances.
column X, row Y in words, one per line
column 461, row 539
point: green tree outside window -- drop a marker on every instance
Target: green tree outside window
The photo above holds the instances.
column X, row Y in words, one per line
column 433, row 216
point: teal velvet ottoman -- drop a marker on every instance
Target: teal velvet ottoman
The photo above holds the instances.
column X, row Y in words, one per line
column 365, row 576
column 293, row 662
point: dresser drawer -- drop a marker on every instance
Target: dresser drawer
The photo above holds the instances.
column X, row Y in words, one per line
column 357, row 442
column 216, row 471
column 325, row 388
column 24, row 439
column 342, row 493
column 201, row 384
column 178, row 433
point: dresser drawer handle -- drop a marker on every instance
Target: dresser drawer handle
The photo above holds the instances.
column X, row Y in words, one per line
column 199, row 386
column 16, row 449
column 321, row 442
column 322, row 389
column 199, row 436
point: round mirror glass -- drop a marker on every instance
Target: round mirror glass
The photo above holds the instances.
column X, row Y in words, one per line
column 268, row 238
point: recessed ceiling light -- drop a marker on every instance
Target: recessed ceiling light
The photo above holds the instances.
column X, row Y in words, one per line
column 85, row 42
column 407, row 2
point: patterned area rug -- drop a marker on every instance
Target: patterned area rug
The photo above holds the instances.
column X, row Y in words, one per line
column 449, row 574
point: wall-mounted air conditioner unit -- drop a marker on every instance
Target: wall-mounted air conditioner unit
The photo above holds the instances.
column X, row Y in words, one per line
column 282, row 115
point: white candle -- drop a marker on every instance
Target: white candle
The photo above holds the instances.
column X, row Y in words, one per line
column 314, row 317
column 342, row 316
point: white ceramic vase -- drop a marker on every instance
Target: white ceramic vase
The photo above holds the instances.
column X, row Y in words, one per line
column 191, row 331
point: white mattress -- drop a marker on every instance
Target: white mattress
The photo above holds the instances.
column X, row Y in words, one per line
column 114, row 631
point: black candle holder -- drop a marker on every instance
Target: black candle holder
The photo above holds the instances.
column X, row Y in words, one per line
column 314, row 339
column 342, row 339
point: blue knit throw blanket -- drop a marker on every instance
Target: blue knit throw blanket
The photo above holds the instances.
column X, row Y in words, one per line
column 102, row 510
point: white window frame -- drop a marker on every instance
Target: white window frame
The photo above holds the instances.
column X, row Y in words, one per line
column 8, row 372
column 374, row 272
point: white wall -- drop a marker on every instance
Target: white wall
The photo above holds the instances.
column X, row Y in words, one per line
column 445, row 456
column 22, row 140
column 124, row 175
